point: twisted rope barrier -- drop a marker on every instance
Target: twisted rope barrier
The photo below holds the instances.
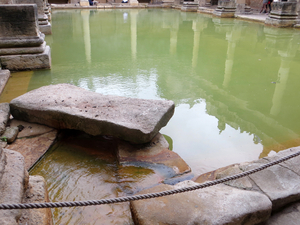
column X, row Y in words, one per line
column 144, row 196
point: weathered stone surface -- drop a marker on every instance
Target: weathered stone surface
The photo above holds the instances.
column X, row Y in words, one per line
column 283, row 14
column 44, row 25
column 29, row 129
column 155, row 152
column 65, row 106
column 12, row 187
column 2, row 162
column 219, row 204
column 46, row 28
column 290, row 216
column 242, row 183
column 33, row 148
column 26, row 42
column 27, row 61
column 36, row 193
column 10, row 134
column 24, row 50
column 4, row 76
column 225, row 9
column 280, row 184
column 4, row 116
column 292, row 164
column 18, row 21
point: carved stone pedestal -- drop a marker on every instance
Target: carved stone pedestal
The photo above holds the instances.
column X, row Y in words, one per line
column 226, row 8
column 22, row 45
column 190, row 6
column 283, row 14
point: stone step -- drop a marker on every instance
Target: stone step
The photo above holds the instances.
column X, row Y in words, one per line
column 13, row 185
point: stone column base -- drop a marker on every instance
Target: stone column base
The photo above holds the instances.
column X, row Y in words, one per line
column 189, row 7
column 27, row 61
column 224, row 13
column 226, row 9
column 46, row 29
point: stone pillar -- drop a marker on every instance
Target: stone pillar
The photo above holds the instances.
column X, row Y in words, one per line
column 22, row 45
column 242, row 7
column 226, row 8
column 44, row 25
column 283, row 14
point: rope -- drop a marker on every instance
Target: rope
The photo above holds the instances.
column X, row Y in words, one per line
column 144, row 196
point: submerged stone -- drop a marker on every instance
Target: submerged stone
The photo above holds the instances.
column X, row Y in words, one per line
column 65, row 106
column 154, row 152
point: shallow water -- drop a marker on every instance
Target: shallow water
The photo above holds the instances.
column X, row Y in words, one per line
column 235, row 83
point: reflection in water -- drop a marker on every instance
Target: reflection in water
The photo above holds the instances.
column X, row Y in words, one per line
column 133, row 16
column 86, row 29
column 219, row 72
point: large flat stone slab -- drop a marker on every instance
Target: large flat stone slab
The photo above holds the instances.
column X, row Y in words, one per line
column 215, row 205
column 65, row 106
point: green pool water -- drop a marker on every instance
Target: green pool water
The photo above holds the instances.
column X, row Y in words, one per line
column 235, row 85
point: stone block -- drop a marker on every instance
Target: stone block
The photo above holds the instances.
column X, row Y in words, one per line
column 18, row 21
column 46, row 29
column 10, row 134
column 66, row 106
column 27, row 61
column 189, row 6
column 29, row 129
column 39, row 3
column 214, row 205
column 23, row 50
column 226, row 9
column 283, row 14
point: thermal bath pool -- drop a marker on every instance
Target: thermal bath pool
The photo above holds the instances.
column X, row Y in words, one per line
column 235, row 85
